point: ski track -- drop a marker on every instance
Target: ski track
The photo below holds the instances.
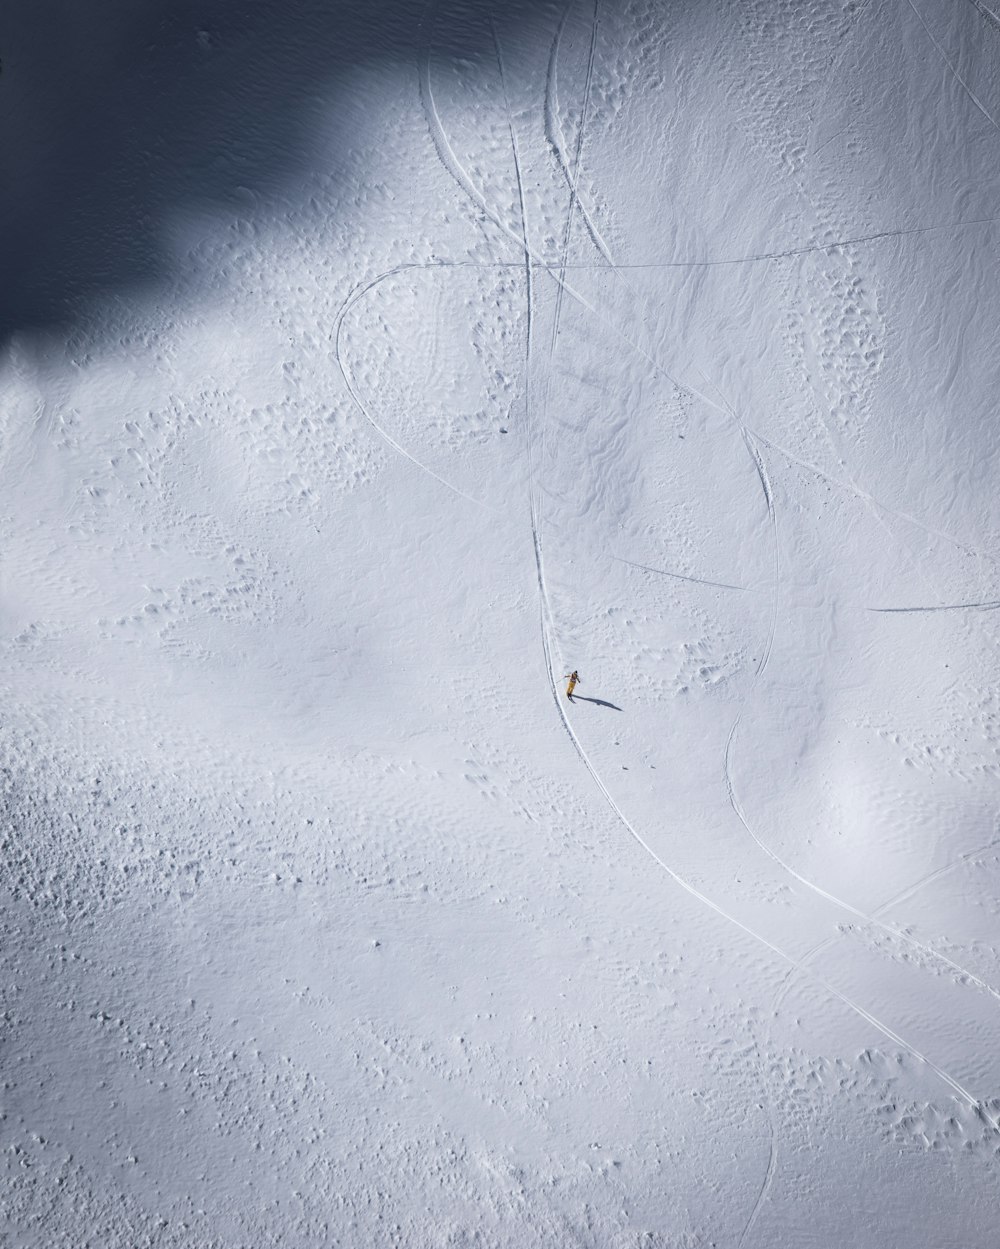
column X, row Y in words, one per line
column 557, row 140
column 553, row 266
column 734, row 801
column 548, row 622
column 554, row 131
column 571, row 179
column 765, row 484
column 904, row 895
column 454, row 166
column 889, row 611
column 772, row 1161
column 850, row 487
column 544, row 605
column 948, row 61
column 826, row 142
column 573, row 198
column 679, row 576
column 529, row 292
column 871, row 919
column 806, row 250
column 877, row 513
column 353, row 298
column 794, row 963
column 986, row 14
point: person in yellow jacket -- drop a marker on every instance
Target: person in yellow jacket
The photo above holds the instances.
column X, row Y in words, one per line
column 572, row 677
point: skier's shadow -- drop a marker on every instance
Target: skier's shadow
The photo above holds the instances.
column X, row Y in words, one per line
column 598, row 702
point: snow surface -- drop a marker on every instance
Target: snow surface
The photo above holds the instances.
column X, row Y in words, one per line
column 364, row 370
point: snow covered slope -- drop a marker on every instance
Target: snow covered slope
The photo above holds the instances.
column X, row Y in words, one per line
column 366, row 369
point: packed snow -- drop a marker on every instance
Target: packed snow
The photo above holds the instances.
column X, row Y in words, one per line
column 365, row 370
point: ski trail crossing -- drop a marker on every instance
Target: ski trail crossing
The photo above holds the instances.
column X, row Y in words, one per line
column 754, row 451
column 449, row 159
column 849, row 487
column 545, row 611
column 557, row 139
column 958, row 77
column 794, row 963
column 903, row 896
column 734, row 801
column 573, row 174
column 451, row 162
column 805, row 250
column 548, row 631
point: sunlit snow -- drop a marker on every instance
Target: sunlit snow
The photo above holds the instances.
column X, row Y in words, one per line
column 365, row 369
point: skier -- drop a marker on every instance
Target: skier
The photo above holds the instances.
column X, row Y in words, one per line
column 572, row 677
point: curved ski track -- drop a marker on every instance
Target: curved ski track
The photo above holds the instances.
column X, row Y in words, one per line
column 544, row 604
column 573, row 199
column 357, row 294
column 454, row 166
column 548, row 631
column 772, row 1161
column 679, row 576
column 737, row 806
column 734, row 801
column 794, row 963
column 754, row 452
column 903, row 896
column 556, row 138
column 986, row 14
column 557, row 141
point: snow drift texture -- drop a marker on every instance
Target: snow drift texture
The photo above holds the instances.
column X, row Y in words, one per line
column 366, row 368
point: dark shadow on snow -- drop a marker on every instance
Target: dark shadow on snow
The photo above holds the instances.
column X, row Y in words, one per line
column 598, row 702
column 122, row 122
